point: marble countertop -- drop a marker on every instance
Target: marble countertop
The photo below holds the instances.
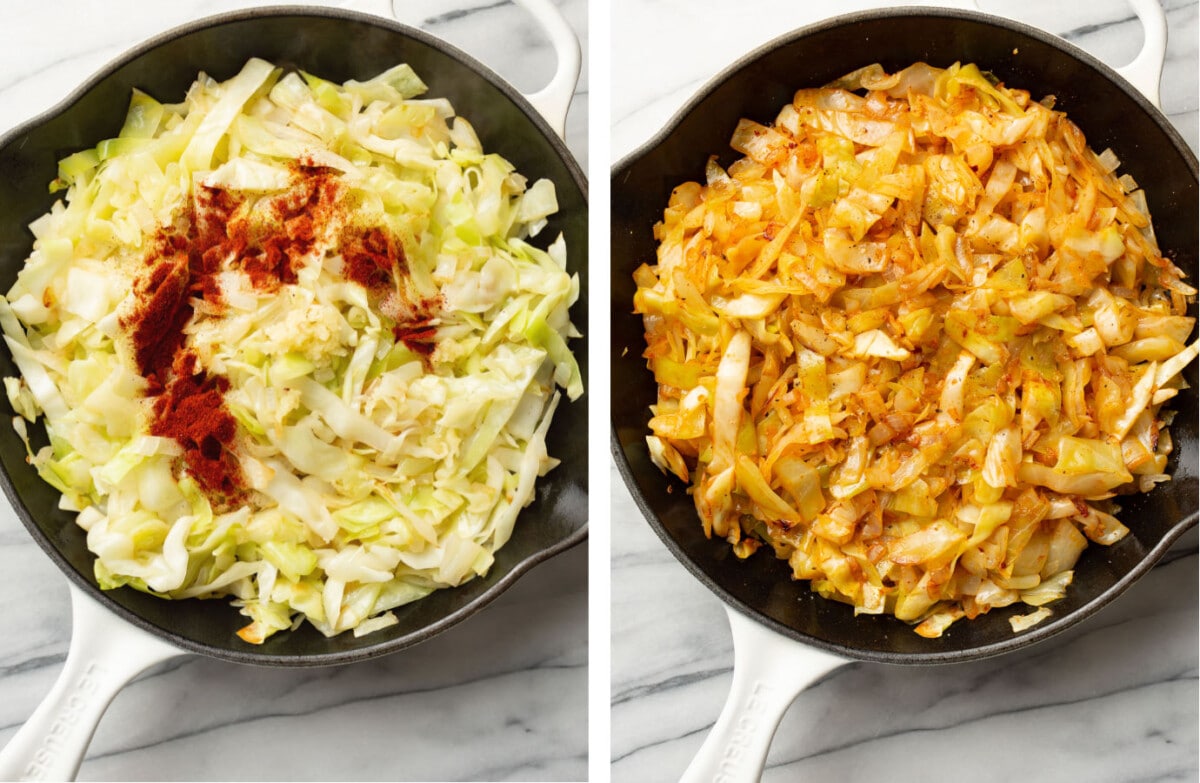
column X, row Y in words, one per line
column 1114, row 699
column 503, row 696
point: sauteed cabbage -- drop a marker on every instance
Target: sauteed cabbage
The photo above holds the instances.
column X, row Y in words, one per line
column 372, row 344
column 916, row 342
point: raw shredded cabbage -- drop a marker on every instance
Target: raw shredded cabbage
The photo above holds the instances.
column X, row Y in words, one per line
column 379, row 464
column 916, row 341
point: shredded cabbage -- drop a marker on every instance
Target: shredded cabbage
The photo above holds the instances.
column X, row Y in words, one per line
column 377, row 469
column 916, row 341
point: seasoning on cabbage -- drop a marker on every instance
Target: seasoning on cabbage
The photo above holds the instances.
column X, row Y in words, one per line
column 292, row 344
column 916, row 342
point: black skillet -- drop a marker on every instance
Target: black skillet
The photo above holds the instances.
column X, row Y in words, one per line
column 771, row 612
column 337, row 45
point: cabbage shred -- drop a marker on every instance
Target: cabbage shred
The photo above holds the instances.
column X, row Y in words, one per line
column 389, row 366
column 915, row 341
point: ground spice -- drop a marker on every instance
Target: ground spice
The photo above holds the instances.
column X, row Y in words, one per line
column 182, row 263
column 269, row 243
column 275, row 250
column 191, row 410
column 163, row 310
column 183, row 260
column 420, row 337
column 372, row 258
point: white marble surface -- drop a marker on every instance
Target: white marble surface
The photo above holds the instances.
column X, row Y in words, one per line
column 502, row 696
column 1114, row 699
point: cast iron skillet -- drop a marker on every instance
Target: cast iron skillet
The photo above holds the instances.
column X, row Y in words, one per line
column 337, row 45
column 1110, row 112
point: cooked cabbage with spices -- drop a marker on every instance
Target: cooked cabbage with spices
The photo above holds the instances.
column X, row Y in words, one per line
column 917, row 342
column 291, row 343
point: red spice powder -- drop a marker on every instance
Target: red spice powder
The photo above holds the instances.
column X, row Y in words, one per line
column 291, row 219
column 372, row 258
column 268, row 243
column 189, row 407
column 192, row 412
column 420, row 337
column 163, row 311
column 209, row 239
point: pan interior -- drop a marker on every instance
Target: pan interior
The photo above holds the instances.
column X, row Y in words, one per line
column 757, row 87
column 336, row 46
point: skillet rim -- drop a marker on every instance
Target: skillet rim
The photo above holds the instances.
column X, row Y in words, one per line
column 383, row 647
column 626, row 161
column 1056, row 624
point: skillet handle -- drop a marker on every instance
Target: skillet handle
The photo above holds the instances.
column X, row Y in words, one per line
column 1145, row 71
column 769, row 671
column 553, row 100
column 105, row 653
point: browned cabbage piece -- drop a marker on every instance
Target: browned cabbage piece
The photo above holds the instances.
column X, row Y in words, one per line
column 916, row 341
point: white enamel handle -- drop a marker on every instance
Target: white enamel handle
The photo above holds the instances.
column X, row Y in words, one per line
column 769, row 671
column 105, row 653
column 1145, row 71
column 553, row 100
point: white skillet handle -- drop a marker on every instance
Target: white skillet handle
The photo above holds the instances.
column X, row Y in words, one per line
column 105, row 653
column 553, row 100
column 769, row 671
column 1145, row 71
